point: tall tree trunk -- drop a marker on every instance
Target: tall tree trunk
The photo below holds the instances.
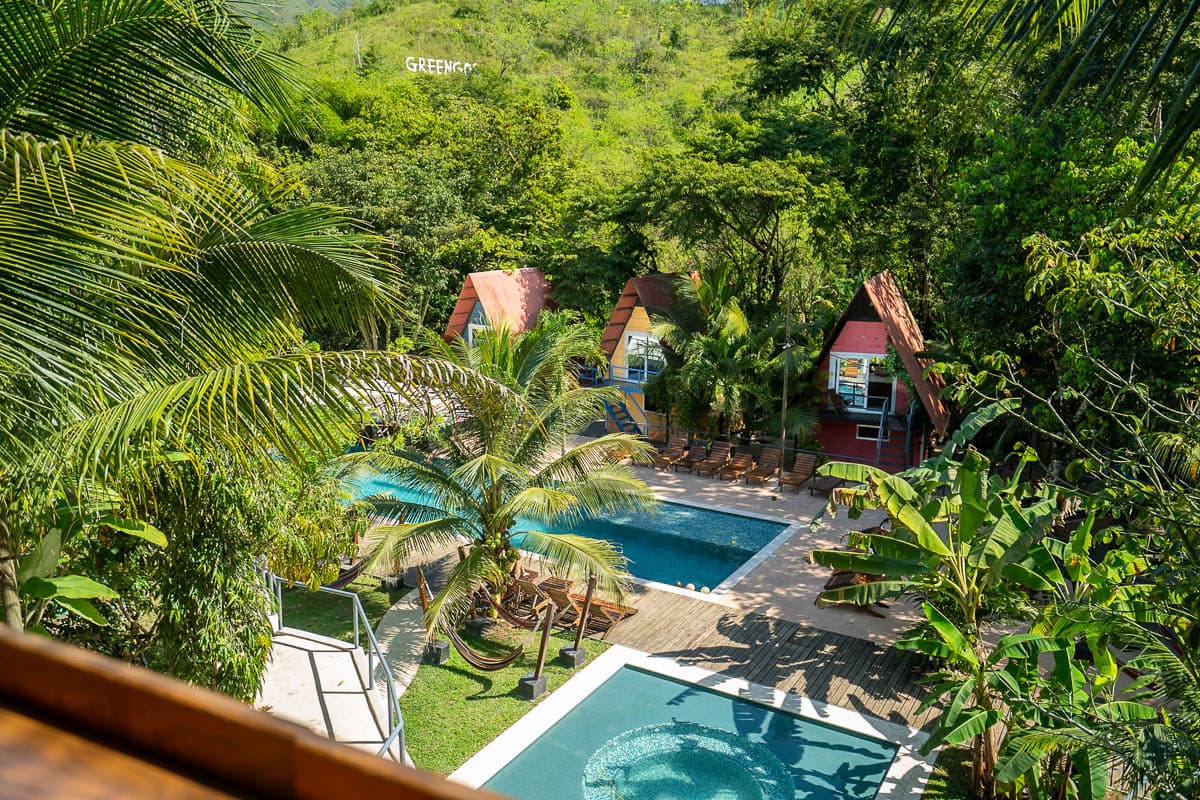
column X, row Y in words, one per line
column 8, row 577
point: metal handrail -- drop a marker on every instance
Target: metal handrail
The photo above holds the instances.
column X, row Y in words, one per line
column 275, row 585
column 614, row 373
column 882, row 430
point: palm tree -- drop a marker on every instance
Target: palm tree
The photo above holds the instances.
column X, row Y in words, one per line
column 502, row 462
column 541, row 362
column 151, row 305
column 1117, row 48
column 719, row 358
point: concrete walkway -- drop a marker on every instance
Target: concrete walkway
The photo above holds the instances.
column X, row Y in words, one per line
column 317, row 682
column 401, row 636
column 787, row 583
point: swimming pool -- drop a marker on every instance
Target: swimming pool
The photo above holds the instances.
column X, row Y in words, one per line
column 679, row 543
column 639, row 733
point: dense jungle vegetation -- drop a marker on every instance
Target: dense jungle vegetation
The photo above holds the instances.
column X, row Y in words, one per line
column 218, row 248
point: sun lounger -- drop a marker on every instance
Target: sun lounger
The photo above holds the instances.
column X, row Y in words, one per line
column 804, row 468
column 741, row 463
column 695, row 455
column 716, row 460
column 767, row 466
column 823, row 484
column 676, row 446
column 602, row 615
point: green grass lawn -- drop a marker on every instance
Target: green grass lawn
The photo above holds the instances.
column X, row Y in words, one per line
column 452, row 711
column 951, row 779
column 330, row 615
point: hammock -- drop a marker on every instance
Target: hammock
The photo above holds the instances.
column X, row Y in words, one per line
column 508, row 616
column 478, row 660
column 473, row 657
column 347, row 575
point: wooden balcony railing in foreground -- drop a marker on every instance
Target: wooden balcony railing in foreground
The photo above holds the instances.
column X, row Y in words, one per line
column 77, row 724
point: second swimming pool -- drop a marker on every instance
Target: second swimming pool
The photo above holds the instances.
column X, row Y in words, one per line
column 644, row 736
column 678, row 544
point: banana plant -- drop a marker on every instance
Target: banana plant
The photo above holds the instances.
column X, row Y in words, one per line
column 976, row 687
column 953, row 543
column 957, row 536
column 40, row 585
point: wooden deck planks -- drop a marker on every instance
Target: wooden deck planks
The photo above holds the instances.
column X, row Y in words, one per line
column 790, row 656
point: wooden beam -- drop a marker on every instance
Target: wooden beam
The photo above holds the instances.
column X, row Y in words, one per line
column 205, row 737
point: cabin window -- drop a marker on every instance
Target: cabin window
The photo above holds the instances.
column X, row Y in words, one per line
column 861, row 381
column 643, row 356
column 476, row 323
column 870, row 433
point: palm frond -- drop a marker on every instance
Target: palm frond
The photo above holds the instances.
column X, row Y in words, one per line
column 279, row 404
column 579, row 558
column 384, row 543
column 1089, row 32
column 134, row 70
column 452, row 602
column 584, row 458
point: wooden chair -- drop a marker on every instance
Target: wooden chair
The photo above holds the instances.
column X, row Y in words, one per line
column 767, row 466
column 696, row 454
column 716, row 460
column 526, row 600
column 674, row 450
column 602, row 615
column 613, row 612
column 741, row 463
column 843, row 578
column 804, row 468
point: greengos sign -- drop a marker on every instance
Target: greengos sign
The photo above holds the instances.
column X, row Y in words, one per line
column 437, row 66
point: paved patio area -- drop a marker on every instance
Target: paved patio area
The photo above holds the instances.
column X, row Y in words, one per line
column 786, row 584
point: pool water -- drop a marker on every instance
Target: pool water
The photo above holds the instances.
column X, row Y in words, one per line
column 679, row 543
column 643, row 736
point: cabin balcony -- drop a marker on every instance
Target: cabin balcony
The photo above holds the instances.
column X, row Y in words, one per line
column 628, row 378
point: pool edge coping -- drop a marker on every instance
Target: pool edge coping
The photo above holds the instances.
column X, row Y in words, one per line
column 720, row 593
column 906, row 777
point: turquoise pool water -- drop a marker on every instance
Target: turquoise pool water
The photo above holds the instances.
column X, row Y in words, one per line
column 678, row 543
column 642, row 736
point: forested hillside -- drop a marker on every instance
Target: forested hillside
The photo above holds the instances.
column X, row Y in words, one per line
column 522, row 160
column 619, row 74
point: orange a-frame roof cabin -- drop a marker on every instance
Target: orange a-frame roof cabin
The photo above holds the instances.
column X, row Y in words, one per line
column 862, row 419
column 489, row 298
column 647, row 292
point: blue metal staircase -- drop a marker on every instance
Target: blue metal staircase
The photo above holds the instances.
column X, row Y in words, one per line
column 619, row 414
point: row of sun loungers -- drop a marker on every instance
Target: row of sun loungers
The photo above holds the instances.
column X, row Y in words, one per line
column 722, row 462
column 530, row 600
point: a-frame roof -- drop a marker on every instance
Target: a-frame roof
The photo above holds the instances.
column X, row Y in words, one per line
column 881, row 295
column 516, row 297
column 648, row 291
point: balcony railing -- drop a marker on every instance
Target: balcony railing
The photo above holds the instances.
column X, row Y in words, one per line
column 592, row 376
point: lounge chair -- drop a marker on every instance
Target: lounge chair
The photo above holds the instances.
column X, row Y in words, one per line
column 602, row 615
column 845, row 578
column 716, row 460
column 767, row 466
column 695, row 455
column 804, row 468
column 674, row 450
column 824, row 484
column 741, row 463
column 523, row 600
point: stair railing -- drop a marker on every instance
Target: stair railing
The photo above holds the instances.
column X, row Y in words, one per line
column 395, row 723
column 883, row 418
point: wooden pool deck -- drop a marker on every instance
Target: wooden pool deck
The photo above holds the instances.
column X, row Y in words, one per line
column 857, row 674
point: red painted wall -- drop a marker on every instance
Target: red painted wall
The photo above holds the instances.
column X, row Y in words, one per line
column 838, row 442
column 862, row 337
